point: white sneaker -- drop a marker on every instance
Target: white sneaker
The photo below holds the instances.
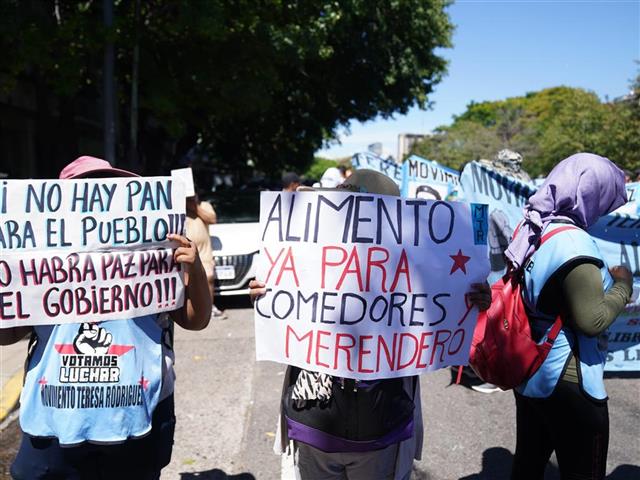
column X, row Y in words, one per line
column 217, row 313
column 486, row 388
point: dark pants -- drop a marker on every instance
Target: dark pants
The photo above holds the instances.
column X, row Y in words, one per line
column 139, row 459
column 570, row 423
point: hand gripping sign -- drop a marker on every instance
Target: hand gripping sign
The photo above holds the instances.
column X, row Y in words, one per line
column 367, row 286
column 88, row 250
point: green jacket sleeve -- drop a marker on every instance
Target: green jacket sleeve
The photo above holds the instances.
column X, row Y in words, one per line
column 591, row 309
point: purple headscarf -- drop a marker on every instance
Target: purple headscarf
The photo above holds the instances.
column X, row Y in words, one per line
column 580, row 189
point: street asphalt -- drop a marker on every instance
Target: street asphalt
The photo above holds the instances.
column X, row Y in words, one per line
column 227, row 404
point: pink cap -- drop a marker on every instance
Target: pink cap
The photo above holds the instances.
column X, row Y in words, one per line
column 86, row 167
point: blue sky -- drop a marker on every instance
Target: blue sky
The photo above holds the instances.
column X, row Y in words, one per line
column 505, row 48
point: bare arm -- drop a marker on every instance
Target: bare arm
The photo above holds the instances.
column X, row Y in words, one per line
column 206, row 213
column 196, row 311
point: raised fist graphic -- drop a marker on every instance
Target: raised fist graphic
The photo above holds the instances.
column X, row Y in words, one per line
column 92, row 340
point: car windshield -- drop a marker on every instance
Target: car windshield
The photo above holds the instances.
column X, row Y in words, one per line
column 234, row 206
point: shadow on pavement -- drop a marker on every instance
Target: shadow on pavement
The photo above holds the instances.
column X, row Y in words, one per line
column 496, row 465
column 497, row 461
column 215, row 474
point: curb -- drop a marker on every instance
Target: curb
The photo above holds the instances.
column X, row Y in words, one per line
column 10, row 394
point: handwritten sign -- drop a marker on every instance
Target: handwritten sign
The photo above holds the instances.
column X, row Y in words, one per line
column 185, row 175
column 86, row 250
column 367, row 286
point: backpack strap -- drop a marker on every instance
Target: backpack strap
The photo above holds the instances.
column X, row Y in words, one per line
column 544, row 238
column 547, row 235
column 555, row 330
column 550, row 234
column 557, row 325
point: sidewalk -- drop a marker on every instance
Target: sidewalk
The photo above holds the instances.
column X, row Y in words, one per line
column 12, row 359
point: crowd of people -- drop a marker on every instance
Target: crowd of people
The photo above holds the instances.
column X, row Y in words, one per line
column 339, row 427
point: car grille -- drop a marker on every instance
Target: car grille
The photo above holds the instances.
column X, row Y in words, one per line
column 242, row 264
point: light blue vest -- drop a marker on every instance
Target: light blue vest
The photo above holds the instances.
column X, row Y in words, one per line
column 592, row 352
column 96, row 382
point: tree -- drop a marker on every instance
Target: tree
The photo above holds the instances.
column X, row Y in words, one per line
column 263, row 81
column 622, row 129
column 544, row 126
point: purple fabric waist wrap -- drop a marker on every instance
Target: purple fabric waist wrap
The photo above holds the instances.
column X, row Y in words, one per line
column 332, row 444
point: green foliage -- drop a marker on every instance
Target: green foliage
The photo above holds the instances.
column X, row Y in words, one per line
column 263, row 81
column 544, row 126
column 318, row 167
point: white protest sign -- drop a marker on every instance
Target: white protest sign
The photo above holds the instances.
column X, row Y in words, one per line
column 185, row 175
column 367, row 286
column 88, row 250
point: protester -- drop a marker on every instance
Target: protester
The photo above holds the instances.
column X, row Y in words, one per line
column 290, row 182
column 201, row 214
column 323, row 404
column 331, row 178
column 345, row 170
column 563, row 406
column 127, row 442
column 508, row 163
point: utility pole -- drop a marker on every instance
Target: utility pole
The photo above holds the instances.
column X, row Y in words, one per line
column 108, row 85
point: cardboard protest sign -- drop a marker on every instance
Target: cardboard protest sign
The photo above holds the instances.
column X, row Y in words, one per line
column 427, row 179
column 367, row 286
column 389, row 168
column 185, row 175
column 88, row 250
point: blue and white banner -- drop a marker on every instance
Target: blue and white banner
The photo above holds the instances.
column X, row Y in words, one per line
column 617, row 234
column 633, row 195
column 371, row 161
column 618, row 238
column 427, row 179
column 505, row 197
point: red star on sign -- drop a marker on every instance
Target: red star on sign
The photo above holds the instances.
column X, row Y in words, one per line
column 42, row 381
column 144, row 382
column 459, row 262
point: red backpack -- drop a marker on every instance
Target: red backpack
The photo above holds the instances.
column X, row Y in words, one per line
column 503, row 351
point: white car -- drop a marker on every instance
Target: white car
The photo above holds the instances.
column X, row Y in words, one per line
column 235, row 239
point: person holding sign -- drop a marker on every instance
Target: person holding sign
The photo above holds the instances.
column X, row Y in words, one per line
column 342, row 427
column 97, row 401
column 200, row 214
column 563, row 406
